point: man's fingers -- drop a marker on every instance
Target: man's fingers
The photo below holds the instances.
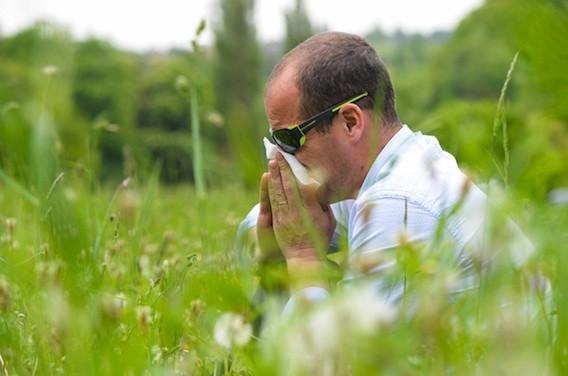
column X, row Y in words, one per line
column 276, row 193
column 265, row 215
column 264, row 198
column 288, row 180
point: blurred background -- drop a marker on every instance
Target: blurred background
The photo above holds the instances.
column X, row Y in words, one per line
column 121, row 83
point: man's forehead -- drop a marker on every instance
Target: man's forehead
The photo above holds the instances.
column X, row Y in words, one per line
column 285, row 80
column 282, row 100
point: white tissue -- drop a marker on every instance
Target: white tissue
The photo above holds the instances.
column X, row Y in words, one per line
column 297, row 168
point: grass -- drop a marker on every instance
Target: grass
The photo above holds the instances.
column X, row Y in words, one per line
column 146, row 301
column 157, row 272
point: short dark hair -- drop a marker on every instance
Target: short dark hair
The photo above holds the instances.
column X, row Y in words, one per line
column 332, row 67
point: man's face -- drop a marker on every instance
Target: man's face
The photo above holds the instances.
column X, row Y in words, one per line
column 323, row 153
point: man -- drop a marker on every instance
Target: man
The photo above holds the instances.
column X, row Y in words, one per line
column 330, row 102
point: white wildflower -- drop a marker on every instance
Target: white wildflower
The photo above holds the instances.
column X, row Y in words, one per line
column 352, row 316
column 232, row 330
column 58, row 313
column 126, row 183
column 50, row 70
column 324, row 329
column 358, row 312
column 365, row 310
column 145, row 266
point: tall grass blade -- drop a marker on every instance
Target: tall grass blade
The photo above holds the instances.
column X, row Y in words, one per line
column 501, row 121
column 197, row 151
column 104, row 222
column 144, row 214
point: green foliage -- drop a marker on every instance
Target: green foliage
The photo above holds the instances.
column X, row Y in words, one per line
column 97, row 97
column 237, row 81
column 539, row 29
column 98, row 67
column 472, row 65
column 409, row 59
column 160, row 106
column 15, row 83
column 145, row 301
column 453, row 90
column 238, row 55
column 99, row 100
column 42, row 44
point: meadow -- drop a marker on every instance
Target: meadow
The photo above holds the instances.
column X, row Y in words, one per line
column 124, row 177
column 143, row 279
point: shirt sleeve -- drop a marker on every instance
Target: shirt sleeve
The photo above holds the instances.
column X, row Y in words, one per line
column 379, row 227
column 241, row 248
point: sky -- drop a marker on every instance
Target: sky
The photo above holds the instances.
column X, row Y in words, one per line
column 159, row 25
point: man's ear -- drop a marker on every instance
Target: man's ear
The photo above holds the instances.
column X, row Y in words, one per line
column 353, row 120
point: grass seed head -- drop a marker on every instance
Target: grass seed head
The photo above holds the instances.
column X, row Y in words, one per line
column 10, row 224
column 112, row 307
column 4, row 294
column 145, row 318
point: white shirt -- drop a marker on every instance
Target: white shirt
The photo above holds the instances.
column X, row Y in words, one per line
column 411, row 189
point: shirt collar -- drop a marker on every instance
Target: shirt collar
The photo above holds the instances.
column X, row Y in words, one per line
column 388, row 154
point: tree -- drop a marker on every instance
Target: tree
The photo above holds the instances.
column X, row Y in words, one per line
column 35, row 86
column 104, row 82
column 238, row 55
column 237, row 81
column 298, row 26
column 104, row 93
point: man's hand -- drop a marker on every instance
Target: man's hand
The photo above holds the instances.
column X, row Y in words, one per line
column 266, row 240
column 300, row 221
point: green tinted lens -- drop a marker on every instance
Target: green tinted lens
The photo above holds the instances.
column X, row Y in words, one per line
column 287, row 139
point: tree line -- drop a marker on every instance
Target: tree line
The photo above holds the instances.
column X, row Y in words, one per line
column 117, row 112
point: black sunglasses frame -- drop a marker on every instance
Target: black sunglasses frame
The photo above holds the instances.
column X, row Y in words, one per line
column 292, row 138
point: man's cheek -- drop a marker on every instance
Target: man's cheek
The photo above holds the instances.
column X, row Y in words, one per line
column 319, row 174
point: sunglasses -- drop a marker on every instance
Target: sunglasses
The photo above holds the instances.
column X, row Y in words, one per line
column 292, row 138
